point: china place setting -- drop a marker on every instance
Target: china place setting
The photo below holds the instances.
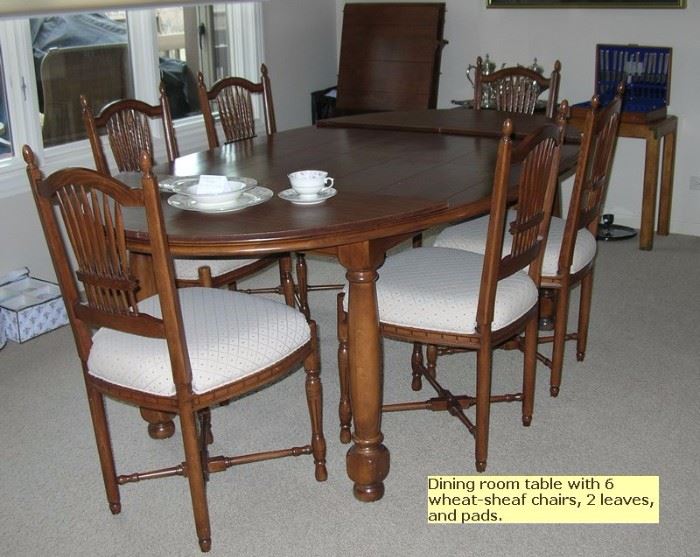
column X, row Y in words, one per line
column 309, row 187
column 216, row 194
column 174, row 183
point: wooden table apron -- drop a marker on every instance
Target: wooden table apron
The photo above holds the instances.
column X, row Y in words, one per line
column 390, row 185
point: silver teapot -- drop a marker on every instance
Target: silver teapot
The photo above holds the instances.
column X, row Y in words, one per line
column 487, row 67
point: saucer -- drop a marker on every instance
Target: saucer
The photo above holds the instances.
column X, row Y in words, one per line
column 179, row 183
column 251, row 197
column 293, row 197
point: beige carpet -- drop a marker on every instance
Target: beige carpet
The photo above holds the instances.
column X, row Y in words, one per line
column 630, row 408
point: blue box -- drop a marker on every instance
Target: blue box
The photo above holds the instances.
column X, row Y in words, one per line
column 646, row 71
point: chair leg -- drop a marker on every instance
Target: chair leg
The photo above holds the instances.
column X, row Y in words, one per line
column 431, row 353
column 104, row 448
column 483, row 403
column 204, row 273
column 529, row 370
column 286, row 281
column 584, row 315
column 314, row 398
column 207, row 437
column 303, row 285
column 195, row 476
column 344, row 406
column 559, row 344
column 417, row 366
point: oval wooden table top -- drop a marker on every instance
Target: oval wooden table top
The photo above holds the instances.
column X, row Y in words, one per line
column 388, row 183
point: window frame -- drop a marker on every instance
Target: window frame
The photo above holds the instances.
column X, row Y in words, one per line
column 245, row 24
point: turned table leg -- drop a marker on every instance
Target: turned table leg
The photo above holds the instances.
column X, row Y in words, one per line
column 548, row 305
column 368, row 459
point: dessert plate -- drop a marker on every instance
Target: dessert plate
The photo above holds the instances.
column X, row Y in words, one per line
column 293, row 197
column 248, row 198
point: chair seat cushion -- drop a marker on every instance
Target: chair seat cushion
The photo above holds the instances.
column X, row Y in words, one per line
column 187, row 269
column 437, row 289
column 471, row 236
column 230, row 335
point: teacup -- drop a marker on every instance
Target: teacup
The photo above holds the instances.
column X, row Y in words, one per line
column 310, row 183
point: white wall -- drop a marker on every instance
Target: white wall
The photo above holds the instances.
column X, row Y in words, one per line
column 300, row 53
column 570, row 35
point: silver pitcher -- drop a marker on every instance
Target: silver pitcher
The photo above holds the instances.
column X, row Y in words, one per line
column 488, row 99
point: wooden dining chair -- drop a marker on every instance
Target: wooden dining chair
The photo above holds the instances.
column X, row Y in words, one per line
column 459, row 300
column 178, row 351
column 127, row 125
column 517, row 89
column 231, row 99
column 570, row 252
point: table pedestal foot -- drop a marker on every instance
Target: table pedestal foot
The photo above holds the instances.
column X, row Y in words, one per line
column 368, row 467
column 160, row 424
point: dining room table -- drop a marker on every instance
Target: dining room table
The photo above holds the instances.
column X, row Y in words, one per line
column 396, row 174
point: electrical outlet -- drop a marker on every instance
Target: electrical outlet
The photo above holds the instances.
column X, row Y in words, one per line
column 695, row 183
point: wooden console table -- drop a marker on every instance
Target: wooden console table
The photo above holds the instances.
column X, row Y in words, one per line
column 653, row 133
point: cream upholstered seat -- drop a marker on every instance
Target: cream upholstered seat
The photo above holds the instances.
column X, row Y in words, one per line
column 178, row 352
column 229, row 335
column 571, row 246
column 454, row 300
column 471, row 236
column 437, row 289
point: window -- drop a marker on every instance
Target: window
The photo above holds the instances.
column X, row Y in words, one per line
column 5, row 135
column 111, row 55
column 78, row 54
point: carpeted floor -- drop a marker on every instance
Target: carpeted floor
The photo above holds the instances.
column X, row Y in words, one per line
column 629, row 409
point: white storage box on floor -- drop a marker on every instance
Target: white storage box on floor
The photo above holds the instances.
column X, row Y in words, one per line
column 29, row 306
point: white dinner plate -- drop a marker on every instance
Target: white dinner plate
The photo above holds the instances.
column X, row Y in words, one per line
column 178, row 183
column 293, row 197
column 254, row 196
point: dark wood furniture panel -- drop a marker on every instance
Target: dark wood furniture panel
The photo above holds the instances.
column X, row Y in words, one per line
column 390, row 57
